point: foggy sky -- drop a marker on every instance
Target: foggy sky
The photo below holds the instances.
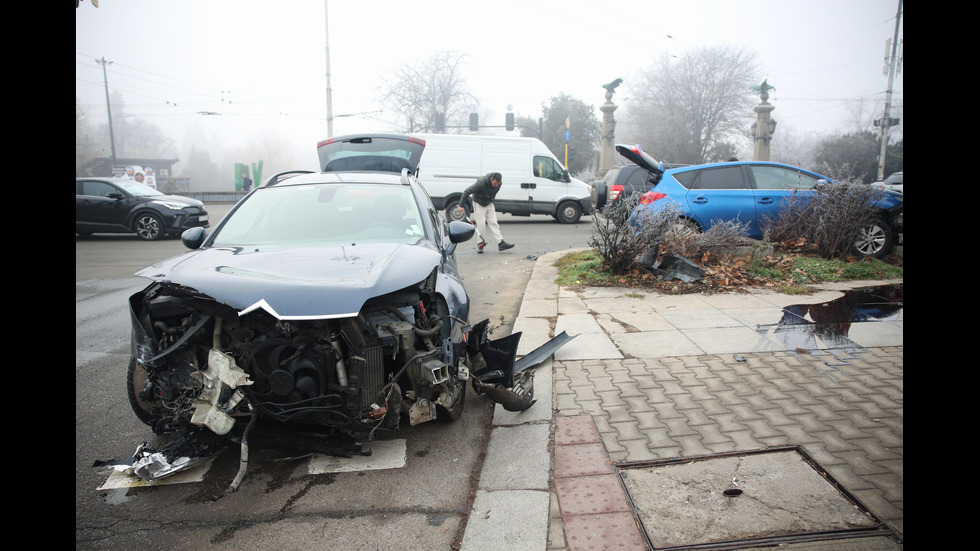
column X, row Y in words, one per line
column 256, row 67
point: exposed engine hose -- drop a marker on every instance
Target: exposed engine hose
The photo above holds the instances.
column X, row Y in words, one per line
column 410, row 361
column 216, row 338
column 243, row 460
column 418, row 330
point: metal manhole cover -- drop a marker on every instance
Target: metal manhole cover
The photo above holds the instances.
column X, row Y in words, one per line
column 777, row 495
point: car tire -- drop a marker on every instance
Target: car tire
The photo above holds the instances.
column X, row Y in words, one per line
column 568, row 212
column 875, row 240
column 599, row 194
column 135, row 379
column 149, row 227
column 452, row 214
column 687, row 227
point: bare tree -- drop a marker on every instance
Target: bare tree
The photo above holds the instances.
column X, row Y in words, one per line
column 429, row 91
column 694, row 109
column 584, row 133
column 86, row 146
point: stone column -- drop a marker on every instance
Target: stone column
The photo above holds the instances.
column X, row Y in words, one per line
column 607, row 149
column 764, row 126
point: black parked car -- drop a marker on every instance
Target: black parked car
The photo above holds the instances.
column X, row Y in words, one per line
column 120, row 205
column 623, row 181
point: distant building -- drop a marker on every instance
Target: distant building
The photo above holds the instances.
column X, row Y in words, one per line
column 156, row 172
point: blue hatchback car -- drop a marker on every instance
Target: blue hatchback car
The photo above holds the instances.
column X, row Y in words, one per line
column 749, row 192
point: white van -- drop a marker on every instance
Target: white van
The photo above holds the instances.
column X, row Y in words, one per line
column 534, row 181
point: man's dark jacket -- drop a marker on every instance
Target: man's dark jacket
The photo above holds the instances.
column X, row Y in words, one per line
column 482, row 191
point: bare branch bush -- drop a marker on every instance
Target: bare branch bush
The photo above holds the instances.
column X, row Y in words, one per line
column 829, row 219
column 685, row 241
column 619, row 241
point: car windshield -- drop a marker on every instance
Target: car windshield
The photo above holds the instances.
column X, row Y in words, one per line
column 323, row 215
column 135, row 188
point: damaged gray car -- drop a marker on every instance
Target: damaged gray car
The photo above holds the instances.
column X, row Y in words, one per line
column 323, row 311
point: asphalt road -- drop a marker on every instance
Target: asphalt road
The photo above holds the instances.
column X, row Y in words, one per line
column 279, row 505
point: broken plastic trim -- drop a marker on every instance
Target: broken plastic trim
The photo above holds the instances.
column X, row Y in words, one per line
column 673, row 267
column 505, row 381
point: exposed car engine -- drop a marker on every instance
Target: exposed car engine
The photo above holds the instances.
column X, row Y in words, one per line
column 197, row 363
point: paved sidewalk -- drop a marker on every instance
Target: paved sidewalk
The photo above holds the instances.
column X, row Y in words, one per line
column 655, row 377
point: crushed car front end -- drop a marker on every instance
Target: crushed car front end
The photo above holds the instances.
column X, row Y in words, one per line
column 199, row 363
column 319, row 312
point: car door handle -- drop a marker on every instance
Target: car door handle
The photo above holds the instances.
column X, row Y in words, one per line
column 766, row 201
column 526, row 185
column 700, row 200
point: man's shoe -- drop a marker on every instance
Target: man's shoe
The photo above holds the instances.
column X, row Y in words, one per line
column 503, row 246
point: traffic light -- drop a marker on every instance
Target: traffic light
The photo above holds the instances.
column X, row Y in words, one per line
column 474, row 122
column 509, row 121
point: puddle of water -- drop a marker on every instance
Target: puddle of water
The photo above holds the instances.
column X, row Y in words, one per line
column 827, row 324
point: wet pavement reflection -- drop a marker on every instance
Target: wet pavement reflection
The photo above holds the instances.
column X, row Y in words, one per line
column 806, row 326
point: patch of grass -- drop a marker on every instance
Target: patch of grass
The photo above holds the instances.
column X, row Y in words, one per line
column 789, row 273
column 820, row 269
column 581, row 268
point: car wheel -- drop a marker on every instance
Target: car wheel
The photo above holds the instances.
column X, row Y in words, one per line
column 453, row 214
column 149, row 227
column 874, row 240
column 686, row 227
column 569, row 212
column 136, row 378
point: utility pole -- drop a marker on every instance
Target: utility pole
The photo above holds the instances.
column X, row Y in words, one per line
column 886, row 120
column 326, row 35
column 105, row 78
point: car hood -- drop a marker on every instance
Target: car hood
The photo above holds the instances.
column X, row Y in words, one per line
column 299, row 283
column 179, row 199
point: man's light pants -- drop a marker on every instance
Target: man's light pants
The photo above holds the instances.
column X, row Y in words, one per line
column 486, row 217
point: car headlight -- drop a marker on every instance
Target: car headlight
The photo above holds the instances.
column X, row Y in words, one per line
column 169, row 205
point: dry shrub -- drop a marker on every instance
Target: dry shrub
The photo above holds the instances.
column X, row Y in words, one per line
column 619, row 241
column 684, row 240
column 829, row 218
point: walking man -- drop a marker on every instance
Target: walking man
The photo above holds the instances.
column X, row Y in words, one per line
column 483, row 192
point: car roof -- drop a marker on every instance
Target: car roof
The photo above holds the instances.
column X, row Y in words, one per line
column 105, row 178
column 735, row 163
column 356, row 177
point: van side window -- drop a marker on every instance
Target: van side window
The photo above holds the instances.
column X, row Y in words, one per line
column 546, row 167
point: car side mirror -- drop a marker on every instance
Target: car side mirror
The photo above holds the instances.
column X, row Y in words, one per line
column 459, row 231
column 193, row 237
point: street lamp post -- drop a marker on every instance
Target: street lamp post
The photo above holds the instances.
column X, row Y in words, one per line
column 105, row 78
